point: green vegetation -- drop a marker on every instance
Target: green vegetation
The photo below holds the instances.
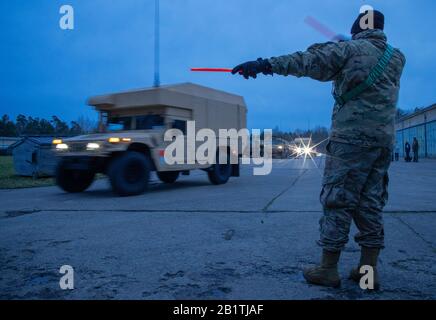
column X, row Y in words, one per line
column 25, row 126
column 8, row 179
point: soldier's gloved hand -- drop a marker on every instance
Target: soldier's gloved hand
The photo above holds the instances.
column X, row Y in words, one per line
column 341, row 37
column 253, row 68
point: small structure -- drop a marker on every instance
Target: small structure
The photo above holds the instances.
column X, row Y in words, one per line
column 34, row 157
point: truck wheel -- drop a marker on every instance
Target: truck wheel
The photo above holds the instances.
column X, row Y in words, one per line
column 220, row 173
column 168, row 176
column 129, row 174
column 73, row 181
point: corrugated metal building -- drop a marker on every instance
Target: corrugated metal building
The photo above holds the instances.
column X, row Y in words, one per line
column 422, row 125
column 33, row 156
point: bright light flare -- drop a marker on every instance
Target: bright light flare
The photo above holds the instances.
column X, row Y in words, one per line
column 114, row 140
column 118, row 140
column 57, row 141
column 92, row 146
column 304, row 151
column 307, row 150
column 62, row 146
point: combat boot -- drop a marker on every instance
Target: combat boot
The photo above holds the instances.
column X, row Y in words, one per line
column 327, row 273
column 368, row 257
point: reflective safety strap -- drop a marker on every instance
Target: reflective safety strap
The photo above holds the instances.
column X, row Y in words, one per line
column 374, row 75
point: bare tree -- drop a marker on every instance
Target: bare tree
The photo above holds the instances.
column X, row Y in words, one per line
column 86, row 124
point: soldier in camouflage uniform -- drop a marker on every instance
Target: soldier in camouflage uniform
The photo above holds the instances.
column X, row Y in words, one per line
column 361, row 141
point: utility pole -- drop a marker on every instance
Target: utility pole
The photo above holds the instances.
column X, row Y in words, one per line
column 156, row 45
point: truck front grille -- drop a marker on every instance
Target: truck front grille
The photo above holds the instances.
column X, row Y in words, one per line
column 77, row 147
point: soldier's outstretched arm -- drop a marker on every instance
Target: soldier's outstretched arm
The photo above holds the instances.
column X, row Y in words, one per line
column 322, row 62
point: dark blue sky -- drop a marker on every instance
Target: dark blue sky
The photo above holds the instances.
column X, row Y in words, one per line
column 46, row 71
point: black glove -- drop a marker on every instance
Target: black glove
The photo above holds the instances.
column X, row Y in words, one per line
column 341, row 38
column 252, row 68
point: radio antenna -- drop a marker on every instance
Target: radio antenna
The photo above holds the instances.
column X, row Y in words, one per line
column 156, row 44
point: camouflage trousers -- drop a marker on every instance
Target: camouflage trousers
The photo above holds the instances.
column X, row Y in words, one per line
column 354, row 189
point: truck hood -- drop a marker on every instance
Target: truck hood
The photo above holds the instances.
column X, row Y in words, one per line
column 98, row 137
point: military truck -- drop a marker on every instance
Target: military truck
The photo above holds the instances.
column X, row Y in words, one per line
column 280, row 148
column 130, row 143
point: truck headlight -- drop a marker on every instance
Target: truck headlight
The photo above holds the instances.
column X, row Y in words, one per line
column 114, row 140
column 62, row 146
column 118, row 140
column 57, row 141
column 92, row 146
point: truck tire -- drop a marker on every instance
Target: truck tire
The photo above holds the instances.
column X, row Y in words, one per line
column 73, row 180
column 220, row 173
column 129, row 173
column 168, row 176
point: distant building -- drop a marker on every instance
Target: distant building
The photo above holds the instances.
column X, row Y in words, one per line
column 422, row 125
column 33, row 156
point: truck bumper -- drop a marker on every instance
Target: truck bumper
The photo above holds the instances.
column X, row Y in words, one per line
column 86, row 163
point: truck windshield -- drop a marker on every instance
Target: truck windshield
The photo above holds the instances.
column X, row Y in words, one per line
column 148, row 122
column 119, row 124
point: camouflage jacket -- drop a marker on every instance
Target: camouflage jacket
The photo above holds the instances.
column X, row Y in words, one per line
column 369, row 119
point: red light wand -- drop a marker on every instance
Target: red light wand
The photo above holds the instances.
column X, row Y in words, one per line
column 211, row 70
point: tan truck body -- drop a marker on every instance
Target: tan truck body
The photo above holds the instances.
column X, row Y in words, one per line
column 209, row 108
